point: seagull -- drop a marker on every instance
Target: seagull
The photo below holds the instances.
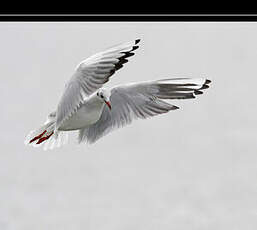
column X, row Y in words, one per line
column 94, row 111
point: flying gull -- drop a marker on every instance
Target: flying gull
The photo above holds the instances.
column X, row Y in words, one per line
column 95, row 111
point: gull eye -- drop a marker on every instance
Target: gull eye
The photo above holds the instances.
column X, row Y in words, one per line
column 102, row 96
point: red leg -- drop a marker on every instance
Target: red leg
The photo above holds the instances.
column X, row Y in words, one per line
column 44, row 138
column 37, row 137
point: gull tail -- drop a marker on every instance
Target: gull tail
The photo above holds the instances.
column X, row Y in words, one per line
column 46, row 135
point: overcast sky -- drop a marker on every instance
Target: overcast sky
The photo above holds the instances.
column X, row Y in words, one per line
column 193, row 168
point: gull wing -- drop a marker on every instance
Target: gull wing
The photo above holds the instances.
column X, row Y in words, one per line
column 90, row 75
column 140, row 101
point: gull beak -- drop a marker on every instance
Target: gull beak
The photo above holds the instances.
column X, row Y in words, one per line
column 108, row 104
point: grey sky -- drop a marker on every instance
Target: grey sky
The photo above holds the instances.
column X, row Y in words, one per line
column 193, row 168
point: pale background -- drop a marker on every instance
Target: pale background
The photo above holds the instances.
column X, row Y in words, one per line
column 194, row 168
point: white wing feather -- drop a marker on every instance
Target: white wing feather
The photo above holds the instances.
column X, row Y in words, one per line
column 141, row 100
column 90, row 75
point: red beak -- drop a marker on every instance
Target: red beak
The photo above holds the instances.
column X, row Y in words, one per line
column 108, row 104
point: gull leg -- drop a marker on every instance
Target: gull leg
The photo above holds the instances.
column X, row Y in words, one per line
column 45, row 138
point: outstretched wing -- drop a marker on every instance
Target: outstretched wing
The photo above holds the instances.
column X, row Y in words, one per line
column 141, row 100
column 90, row 75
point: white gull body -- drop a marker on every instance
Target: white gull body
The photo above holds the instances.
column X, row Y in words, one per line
column 95, row 111
column 87, row 114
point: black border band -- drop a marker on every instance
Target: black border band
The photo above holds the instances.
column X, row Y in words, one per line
column 126, row 17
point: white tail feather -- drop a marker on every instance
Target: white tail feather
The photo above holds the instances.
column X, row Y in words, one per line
column 55, row 140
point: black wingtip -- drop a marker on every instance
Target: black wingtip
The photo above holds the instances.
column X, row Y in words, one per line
column 207, row 81
column 134, row 48
column 197, row 92
column 205, row 86
column 128, row 55
column 137, row 41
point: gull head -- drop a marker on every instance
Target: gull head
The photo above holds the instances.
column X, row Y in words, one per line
column 105, row 94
